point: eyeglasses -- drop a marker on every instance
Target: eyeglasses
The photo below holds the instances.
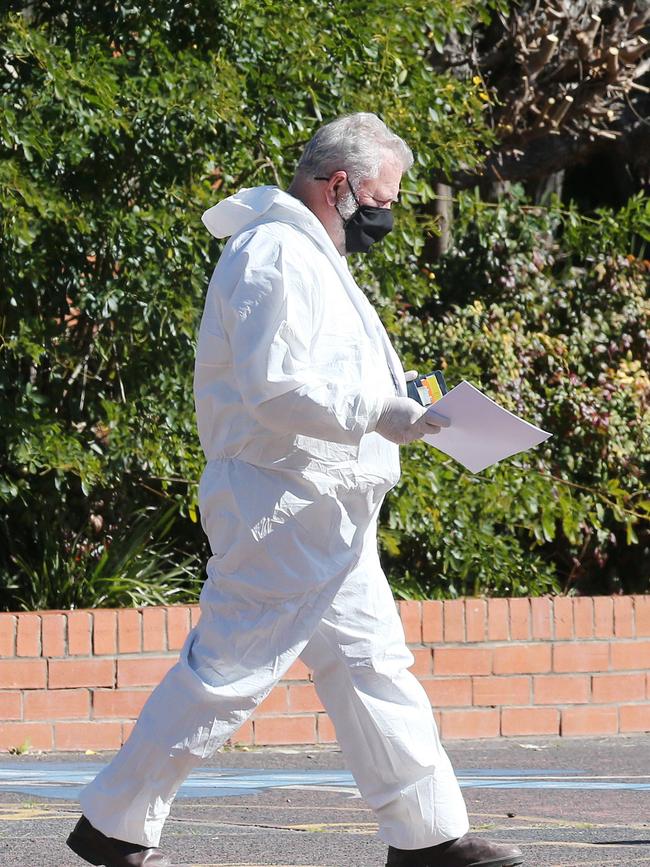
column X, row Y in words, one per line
column 381, row 203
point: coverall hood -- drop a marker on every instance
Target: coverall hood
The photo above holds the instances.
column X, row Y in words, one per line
column 254, row 205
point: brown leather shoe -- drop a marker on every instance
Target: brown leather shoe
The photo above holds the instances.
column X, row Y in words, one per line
column 96, row 848
column 467, row 851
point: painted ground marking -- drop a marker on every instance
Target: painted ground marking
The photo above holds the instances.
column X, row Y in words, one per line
column 63, row 780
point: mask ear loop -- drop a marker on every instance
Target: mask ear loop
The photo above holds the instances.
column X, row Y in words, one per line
column 354, row 195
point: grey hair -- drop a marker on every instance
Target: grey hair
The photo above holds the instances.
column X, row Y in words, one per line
column 355, row 143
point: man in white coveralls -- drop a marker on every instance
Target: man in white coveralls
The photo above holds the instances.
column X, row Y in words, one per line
column 301, row 405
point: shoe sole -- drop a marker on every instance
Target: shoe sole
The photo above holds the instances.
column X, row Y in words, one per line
column 493, row 862
column 498, row 863
column 81, row 848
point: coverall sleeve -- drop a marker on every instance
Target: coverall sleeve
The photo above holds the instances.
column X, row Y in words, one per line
column 288, row 378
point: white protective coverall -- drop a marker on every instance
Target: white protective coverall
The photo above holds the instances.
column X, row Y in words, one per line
column 293, row 365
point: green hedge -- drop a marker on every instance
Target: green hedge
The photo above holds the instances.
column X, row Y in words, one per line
column 548, row 313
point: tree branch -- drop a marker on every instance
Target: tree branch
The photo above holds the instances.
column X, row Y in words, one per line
column 550, row 153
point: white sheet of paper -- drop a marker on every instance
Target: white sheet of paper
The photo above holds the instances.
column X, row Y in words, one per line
column 481, row 432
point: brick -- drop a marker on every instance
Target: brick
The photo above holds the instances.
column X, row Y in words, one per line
column 581, row 656
column 641, row 613
column 303, row 698
column 648, row 685
column 462, row 660
column 410, row 612
column 297, row 671
column 54, row 704
column 432, row 621
column 178, row 626
column 469, row 724
column 277, row 701
column 562, row 689
column 7, row 634
column 285, row 730
column 423, row 663
column 325, row 729
column 522, row 659
column 519, row 610
column 604, row 617
column 143, row 672
column 195, row 615
column 37, row 736
column 498, row 620
column 127, row 728
column 634, row 718
column 590, row 720
column 154, row 629
column 541, row 614
column 453, row 614
column 501, row 690
column 10, row 704
column 583, row 616
column 448, row 691
column 129, row 631
column 529, row 721
column 53, row 634
column 244, row 734
column 623, row 617
column 563, row 618
column 476, row 619
column 88, row 735
column 23, row 673
column 118, row 703
column 104, row 631
column 28, row 635
column 79, row 633
column 618, row 687
column 81, row 672
column 630, row 655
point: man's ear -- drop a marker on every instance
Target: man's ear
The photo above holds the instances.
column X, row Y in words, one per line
column 334, row 187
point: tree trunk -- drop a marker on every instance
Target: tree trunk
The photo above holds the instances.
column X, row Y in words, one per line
column 443, row 209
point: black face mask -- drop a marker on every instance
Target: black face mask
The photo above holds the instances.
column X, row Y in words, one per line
column 366, row 225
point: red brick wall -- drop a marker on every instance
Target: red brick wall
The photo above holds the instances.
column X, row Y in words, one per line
column 76, row 680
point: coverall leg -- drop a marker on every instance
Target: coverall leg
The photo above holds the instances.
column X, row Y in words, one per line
column 382, row 715
column 351, row 634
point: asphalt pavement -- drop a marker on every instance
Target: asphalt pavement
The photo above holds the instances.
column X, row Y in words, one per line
column 566, row 803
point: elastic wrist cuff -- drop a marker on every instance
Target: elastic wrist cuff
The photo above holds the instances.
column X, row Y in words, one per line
column 374, row 415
